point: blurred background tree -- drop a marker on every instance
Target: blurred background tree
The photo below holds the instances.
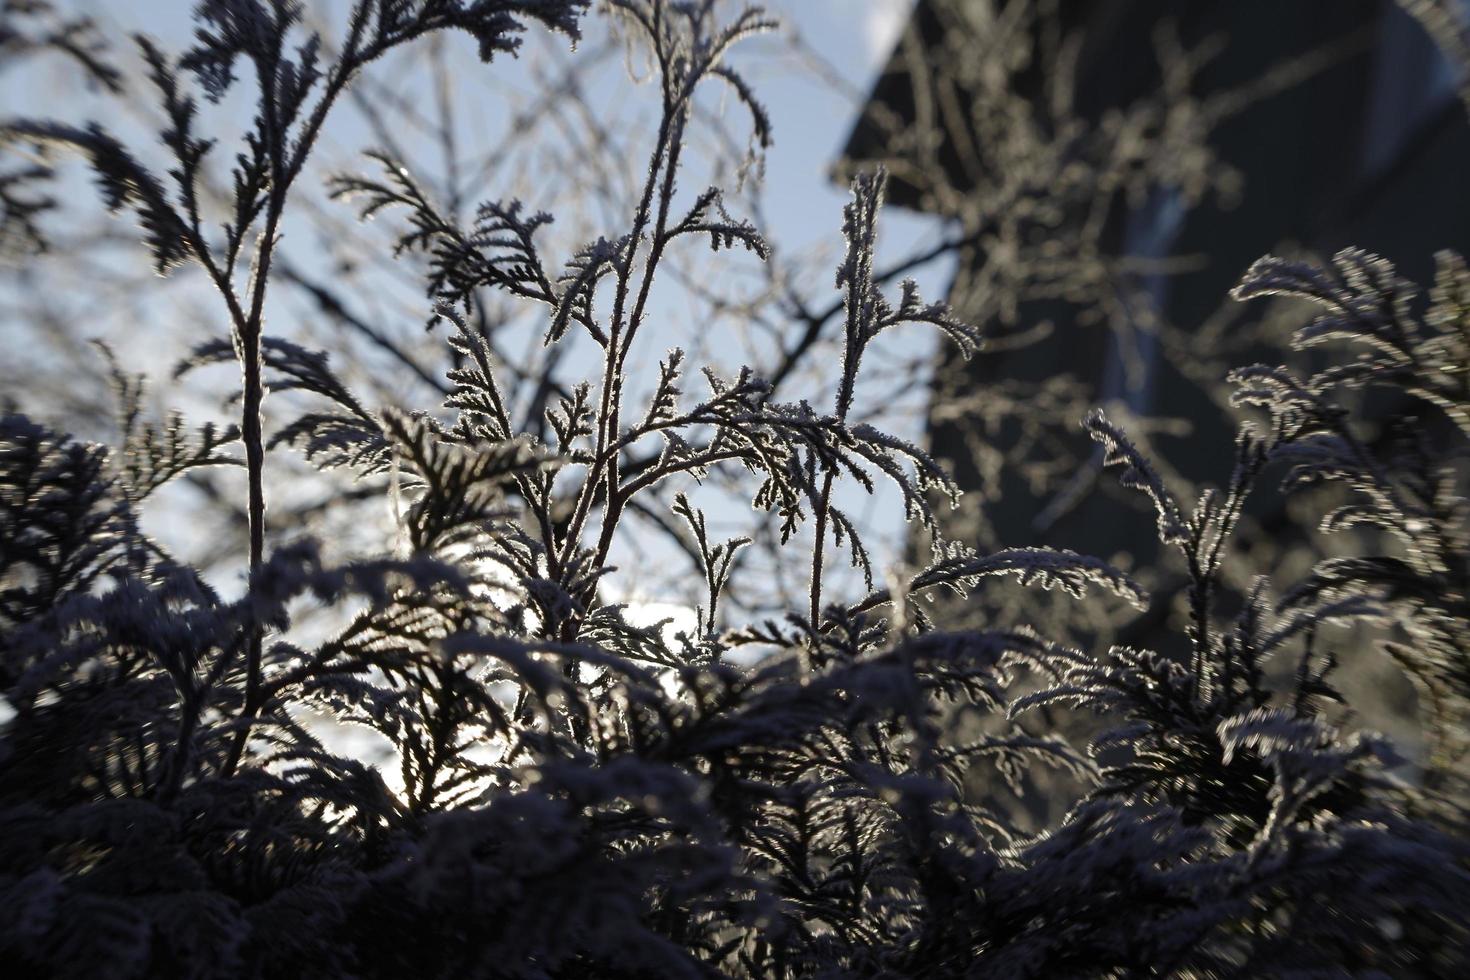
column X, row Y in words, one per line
column 1105, row 172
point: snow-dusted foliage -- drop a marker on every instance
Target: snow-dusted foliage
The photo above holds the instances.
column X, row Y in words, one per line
column 569, row 794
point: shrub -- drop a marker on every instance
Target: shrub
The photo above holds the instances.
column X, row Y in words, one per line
column 578, row 796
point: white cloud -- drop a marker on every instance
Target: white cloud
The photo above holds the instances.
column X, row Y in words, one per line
column 882, row 22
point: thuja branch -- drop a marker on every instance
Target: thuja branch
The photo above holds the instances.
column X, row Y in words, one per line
column 687, row 49
column 295, row 96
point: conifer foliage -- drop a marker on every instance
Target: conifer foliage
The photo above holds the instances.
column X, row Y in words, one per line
column 572, row 795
